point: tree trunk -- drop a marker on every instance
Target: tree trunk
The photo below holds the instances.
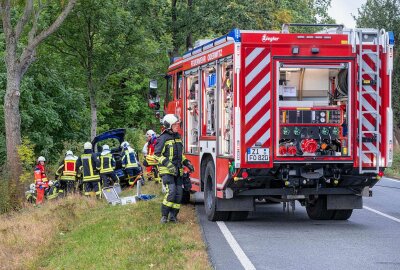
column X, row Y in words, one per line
column 93, row 107
column 13, row 130
column 189, row 39
column 175, row 30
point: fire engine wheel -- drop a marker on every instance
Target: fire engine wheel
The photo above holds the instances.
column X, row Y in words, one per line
column 210, row 200
column 317, row 209
column 342, row 214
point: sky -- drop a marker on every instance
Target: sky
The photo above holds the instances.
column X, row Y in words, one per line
column 341, row 11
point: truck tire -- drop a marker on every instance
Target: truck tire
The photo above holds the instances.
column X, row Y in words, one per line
column 238, row 215
column 342, row 214
column 210, row 201
column 317, row 210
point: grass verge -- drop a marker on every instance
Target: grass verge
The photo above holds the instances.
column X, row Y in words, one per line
column 81, row 233
column 394, row 171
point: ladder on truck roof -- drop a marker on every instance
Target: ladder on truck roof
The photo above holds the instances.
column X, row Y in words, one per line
column 369, row 136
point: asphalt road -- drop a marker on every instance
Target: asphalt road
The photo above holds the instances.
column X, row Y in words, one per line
column 273, row 239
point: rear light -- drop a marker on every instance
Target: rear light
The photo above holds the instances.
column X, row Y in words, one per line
column 380, row 174
column 245, row 174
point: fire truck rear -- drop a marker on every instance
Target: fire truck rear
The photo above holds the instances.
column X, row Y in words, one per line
column 282, row 117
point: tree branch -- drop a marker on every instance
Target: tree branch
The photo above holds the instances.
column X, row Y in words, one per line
column 26, row 55
column 24, row 19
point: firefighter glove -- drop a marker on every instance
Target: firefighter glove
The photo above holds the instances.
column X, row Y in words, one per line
column 171, row 168
column 145, row 163
column 188, row 164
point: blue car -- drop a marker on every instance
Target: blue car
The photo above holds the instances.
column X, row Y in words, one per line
column 114, row 139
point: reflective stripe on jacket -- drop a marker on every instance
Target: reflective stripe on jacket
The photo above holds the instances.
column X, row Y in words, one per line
column 107, row 163
column 129, row 159
column 89, row 166
column 169, row 149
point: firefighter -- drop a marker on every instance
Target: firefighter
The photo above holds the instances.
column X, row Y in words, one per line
column 88, row 165
column 169, row 154
column 148, row 150
column 131, row 164
column 107, row 167
column 66, row 172
column 41, row 181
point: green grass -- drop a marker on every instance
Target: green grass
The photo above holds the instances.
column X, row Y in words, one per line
column 82, row 233
column 394, row 171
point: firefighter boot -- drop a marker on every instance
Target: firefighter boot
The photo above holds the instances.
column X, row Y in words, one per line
column 164, row 219
column 172, row 216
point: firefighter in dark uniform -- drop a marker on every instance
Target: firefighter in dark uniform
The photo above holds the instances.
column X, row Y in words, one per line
column 88, row 164
column 169, row 154
column 107, row 167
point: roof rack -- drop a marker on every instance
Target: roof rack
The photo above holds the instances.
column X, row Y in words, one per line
column 339, row 27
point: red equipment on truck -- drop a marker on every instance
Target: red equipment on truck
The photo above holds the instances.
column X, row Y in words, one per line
column 284, row 117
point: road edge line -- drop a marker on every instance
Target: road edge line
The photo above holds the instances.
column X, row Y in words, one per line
column 382, row 214
column 242, row 257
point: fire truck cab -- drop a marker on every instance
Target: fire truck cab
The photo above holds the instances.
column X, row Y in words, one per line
column 280, row 116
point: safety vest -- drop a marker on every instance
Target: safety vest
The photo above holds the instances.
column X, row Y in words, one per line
column 129, row 159
column 107, row 163
column 69, row 172
column 89, row 173
column 169, row 149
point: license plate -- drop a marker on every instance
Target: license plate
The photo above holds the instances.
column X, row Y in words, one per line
column 257, row 154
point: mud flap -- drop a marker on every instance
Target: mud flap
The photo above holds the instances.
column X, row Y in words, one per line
column 342, row 202
column 236, row 204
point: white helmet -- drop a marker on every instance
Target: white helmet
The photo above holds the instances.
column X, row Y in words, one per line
column 87, row 146
column 69, row 153
column 125, row 144
column 51, row 183
column 150, row 133
column 169, row 120
column 41, row 158
column 32, row 186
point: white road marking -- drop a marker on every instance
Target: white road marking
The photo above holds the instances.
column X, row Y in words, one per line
column 382, row 214
column 390, row 179
column 244, row 260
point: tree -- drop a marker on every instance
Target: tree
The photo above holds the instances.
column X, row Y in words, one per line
column 21, row 41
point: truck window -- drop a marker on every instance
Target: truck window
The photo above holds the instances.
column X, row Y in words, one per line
column 168, row 92
column 226, row 108
column 192, row 112
column 209, row 84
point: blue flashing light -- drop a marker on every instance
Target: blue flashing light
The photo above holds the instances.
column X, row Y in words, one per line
column 391, row 37
column 235, row 34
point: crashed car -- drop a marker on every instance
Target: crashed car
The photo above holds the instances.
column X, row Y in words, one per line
column 114, row 138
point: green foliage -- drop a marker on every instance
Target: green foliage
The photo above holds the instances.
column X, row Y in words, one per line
column 27, row 156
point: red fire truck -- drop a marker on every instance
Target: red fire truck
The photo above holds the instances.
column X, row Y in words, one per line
column 279, row 116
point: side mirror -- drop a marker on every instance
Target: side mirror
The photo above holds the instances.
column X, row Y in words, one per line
column 154, row 99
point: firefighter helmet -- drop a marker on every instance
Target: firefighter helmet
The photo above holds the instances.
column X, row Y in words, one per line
column 69, row 153
column 87, row 146
column 169, row 120
column 41, row 158
column 125, row 144
column 106, row 149
column 150, row 133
